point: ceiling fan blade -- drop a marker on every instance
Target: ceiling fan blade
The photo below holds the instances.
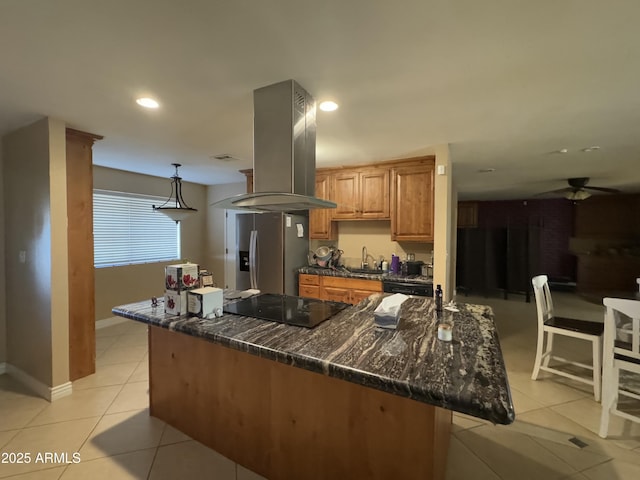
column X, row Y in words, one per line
column 603, row 189
column 560, row 190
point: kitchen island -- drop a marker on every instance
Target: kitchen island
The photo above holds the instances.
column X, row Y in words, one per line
column 343, row 400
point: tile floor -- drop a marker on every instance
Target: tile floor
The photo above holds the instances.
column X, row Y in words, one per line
column 106, row 419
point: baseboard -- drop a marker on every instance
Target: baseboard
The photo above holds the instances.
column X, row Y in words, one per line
column 107, row 322
column 61, row 391
column 36, row 386
column 3, row 368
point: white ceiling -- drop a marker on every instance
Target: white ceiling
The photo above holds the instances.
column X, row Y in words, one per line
column 505, row 83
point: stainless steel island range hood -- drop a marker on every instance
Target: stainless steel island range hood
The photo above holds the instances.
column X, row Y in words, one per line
column 284, row 152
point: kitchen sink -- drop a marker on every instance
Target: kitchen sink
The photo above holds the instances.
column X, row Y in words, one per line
column 365, row 270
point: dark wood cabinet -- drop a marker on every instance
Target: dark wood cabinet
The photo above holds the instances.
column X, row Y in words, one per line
column 467, row 214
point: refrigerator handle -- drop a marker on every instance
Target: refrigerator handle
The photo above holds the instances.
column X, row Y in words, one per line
column 253, row 264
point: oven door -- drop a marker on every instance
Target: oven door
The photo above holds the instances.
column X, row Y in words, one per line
column 417, row 289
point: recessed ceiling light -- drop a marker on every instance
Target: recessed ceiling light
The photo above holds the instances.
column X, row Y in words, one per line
column 486, row 170
column 591, row 149
column 328, row 106
column 147, row 102
column 563, row 150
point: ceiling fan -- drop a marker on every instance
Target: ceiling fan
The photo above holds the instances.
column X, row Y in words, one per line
column 578, row 190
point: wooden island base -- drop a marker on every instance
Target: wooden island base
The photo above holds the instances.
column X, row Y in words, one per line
column 284, row 422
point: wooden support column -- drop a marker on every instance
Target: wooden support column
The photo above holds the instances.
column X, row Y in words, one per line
column 82, row 322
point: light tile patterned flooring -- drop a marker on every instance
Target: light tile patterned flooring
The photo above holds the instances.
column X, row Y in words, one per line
column 107, row 421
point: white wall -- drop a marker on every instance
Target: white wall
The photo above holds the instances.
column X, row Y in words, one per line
column 3, row 303
column 59, row 252
column 445, row 214
column 131, row 283
column 31, row 157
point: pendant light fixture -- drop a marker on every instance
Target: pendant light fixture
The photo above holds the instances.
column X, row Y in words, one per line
column 175, row 207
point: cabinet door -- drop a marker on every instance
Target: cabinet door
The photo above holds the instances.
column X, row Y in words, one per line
column 309, row 291
column 412, row 203
column 345, row 191
column 336, row 294
column 307, row 279
column 320, row 225
column 467, row 214
column 374, row 194
column 358, row 295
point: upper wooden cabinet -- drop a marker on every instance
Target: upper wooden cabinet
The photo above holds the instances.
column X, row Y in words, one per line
column 400, row 190
column 320, row 225
column 467, row 214
column 374, row 193
column 249, row 174
column 412, row 202
column 361, row 194
column 345, row 192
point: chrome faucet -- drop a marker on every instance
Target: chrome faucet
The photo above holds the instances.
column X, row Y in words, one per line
column 363, row 263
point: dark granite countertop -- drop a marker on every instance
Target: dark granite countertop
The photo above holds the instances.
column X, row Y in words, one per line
column 467, row 375
column 385, row 277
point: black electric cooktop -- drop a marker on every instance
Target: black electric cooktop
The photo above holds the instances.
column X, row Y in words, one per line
column 303, row 312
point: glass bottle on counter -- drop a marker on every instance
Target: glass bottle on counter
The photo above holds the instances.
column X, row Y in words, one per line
column 438, row 298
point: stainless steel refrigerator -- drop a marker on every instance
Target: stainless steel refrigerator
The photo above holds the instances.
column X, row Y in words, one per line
column 270, row 249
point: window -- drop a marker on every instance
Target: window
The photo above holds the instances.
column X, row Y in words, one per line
column 126, row 230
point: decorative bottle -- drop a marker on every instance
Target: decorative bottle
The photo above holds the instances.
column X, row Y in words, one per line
column 438, row 298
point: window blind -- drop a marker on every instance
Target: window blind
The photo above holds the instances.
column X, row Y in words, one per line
column 126, row 230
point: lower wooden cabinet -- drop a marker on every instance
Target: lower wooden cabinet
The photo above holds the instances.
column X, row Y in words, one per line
column 337, row 289
column 358, row 295
column 310, row 291
column 336, row 294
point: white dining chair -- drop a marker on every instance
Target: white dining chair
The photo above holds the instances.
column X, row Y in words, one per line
column 550, row 325
column 621, row 352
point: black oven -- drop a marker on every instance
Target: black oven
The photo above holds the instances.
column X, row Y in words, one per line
column 408, row 288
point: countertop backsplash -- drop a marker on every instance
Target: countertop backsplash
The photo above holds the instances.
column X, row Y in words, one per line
column 376, row 236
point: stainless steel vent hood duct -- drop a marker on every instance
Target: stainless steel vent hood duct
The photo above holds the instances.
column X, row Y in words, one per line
column 284, row 152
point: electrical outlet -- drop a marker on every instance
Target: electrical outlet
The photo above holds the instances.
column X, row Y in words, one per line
column 22, row 256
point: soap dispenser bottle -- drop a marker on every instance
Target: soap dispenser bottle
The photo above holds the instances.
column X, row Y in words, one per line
column 395, row 264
